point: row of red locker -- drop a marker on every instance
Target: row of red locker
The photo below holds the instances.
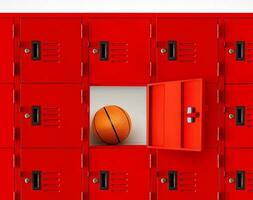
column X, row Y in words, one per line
column 134, row 174
column 45, row 109
column 126, row 51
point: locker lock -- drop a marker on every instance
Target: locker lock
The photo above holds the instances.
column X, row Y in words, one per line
column 27, row 115
column 231, row 51
column 163, row 50
column 27, row 50
column 27, row 180
column 163, row 180
column 94, row 51
column 231, row 116
column 231, row 180
column 95, row 180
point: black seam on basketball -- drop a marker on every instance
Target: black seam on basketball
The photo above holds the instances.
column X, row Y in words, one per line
column 94, row 125
column 126, row 115
column 116, row 134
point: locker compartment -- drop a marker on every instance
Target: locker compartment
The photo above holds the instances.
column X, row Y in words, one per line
column 239, row 174
column 119, row 173
column 239, row 50
column 6, row 49
column 51, row 115
column 239, row 115
column 186, row 49
column 187, row 175
column 7, row 115
column 176, row 115
column 119, row 51
column 6, row 174
column 51, row 174
column 50, row 49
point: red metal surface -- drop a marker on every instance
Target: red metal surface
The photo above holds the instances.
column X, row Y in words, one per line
column 202, row 46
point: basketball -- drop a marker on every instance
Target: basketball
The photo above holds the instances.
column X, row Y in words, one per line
column 111, row 124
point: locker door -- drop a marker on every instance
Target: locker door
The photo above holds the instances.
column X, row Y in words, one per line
column 6, row 174
column 50, row 174
column 176, row 115
column 50, row 50
column 119, row 51
column 239, row 50
column 239, row 174
column 6, row 49
column 239, row 116
column 51, row 115
column 187, row 175
column 7, row 115
column 186, row 49
column 119, row 173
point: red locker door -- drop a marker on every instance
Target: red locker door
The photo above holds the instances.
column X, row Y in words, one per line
column 51, row 174
column 239, row 116
column 7, row 115
column 50, row 49
column 239, row 54
column 6, row 49
column 187, row 175
column 176, row 115
column 51, row 115
column 119, row 173
column 239, row 174
column 6, row 174
column 119, row 51
column 186, row 49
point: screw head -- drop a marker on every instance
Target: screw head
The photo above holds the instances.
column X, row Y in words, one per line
column 27, row 50
column 95, row 180
column 27, row 180
column 231, row 180
column 231, row 51
column 231, row 116
column 163, row 180
column 27, row 115
column 95, row 51
column 163, row 50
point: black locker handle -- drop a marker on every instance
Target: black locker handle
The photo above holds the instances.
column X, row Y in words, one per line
column 172, row 48
column 172, row 175
column 36, row 180
column 36, row 50
column 240, row 50
column 104, row 175
column 240, row 180
column 104, row 50
column 240, row 115
column 36, row 114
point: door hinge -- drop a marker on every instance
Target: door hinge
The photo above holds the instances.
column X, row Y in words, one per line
column 16, row 195
column 15, row 134
column 150, row 68
column 151, row 160
column 219, row 134
column 82, row 96
column 82, row 69
column 152, row 196
column 15, row 160
column 13, row 31
column 82, row 195
column 82, row 133
column 218, row 31
column 218, row 69
column 219, row 196
column 15, row 96
column 81, row 31
column 219, row 160
column 150, row 31
column 218, row 98
column 82, row 161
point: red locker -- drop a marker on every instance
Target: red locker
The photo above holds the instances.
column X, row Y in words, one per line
column 187, row 175
column 119, row 173
column 6, row 174
column 239, row 116
column 186, row 48
column 6, row 49
column 7, row 115
column 52, row 174
column 239, row 174
column 51, row 115
column 239, row 50
column 119, row 52
column 51, row 49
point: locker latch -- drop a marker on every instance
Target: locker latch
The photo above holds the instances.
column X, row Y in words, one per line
column 191, row 114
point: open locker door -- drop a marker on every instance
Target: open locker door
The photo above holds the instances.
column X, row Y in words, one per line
column 176, row 115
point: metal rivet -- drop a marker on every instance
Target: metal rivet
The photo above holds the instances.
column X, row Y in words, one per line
column 231, row 180
column 163, row 180
column 27, row 115
column 231, row 116
column 95, row 180
column 27, row 50
column 163, row 50
column 95, row 51
column 27, row 180
column 231, row 51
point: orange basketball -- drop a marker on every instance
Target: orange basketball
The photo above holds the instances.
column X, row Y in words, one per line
column 111, row 124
